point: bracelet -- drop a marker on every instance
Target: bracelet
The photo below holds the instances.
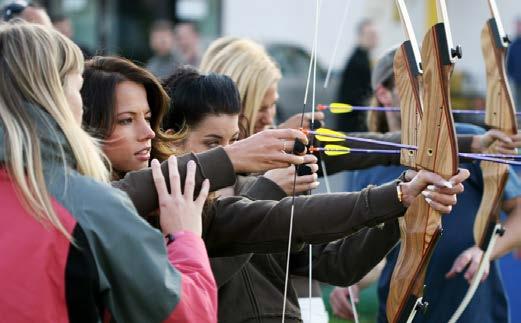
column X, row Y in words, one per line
column 169, row 238
column 399, row 192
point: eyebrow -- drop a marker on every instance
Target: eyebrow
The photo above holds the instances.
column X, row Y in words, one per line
column 133, row 113
column 213, row 136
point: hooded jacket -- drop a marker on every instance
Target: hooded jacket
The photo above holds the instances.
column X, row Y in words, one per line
column 118, row 268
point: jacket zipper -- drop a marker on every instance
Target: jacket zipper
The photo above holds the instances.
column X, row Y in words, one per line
column 251, row 292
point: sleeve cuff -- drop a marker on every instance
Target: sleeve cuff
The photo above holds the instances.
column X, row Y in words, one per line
column 265, row 189
column 385, row 195
column 217, row 167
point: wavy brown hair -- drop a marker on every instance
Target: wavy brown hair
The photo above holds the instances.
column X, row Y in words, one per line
column 101, row 76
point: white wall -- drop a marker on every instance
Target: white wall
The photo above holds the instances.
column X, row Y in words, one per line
column 293, row 21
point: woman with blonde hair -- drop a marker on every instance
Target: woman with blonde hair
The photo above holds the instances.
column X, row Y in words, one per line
column 255, row 73
column 73, row 248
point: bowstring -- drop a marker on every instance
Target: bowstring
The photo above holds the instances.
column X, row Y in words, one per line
column 292, row 211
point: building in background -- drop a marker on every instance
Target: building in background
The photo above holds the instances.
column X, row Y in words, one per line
column 122, row 27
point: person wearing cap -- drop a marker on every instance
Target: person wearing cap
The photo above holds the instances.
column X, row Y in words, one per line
column 456, row 258
column 28, row 11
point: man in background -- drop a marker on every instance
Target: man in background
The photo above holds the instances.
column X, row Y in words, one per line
column 187, row 39
column 64, row 25
column 355, row 84
column 162, row 43
column 28, row 11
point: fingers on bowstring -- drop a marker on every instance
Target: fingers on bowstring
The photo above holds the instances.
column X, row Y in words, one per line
column 290, row 135
column 501, row 136
column 310, row 159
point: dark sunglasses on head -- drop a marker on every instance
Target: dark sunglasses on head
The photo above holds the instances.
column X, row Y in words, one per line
column 14, row 9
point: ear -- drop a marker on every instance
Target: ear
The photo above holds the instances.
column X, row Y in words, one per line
column 384, row 96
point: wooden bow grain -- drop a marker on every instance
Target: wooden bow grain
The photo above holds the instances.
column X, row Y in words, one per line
column 499, row 114
column 437, row 152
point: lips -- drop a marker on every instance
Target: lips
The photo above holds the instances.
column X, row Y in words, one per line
column 143, row 154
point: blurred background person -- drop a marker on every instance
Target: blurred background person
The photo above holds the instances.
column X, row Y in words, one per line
column 514, row 64
column 28, row 11
column 188, row 40
column 166, row 57
column 355, row 83
column 64, row 25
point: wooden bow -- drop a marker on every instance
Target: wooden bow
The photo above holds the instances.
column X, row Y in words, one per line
column 500, row 114
column 437, row 152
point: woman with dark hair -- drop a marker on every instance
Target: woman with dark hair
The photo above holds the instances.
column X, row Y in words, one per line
column 124, row 106
column 209, row 98
column 208, row 106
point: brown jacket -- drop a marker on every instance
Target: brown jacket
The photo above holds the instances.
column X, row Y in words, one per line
column 228, row 232
column 258, row 279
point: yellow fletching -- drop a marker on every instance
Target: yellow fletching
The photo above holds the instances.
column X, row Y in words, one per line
column 328, row 135
column 336, row 150
column 340, row 108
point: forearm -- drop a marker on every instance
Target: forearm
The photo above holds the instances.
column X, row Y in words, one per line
column 347, row 261
column 213, row 164
column 237, row 225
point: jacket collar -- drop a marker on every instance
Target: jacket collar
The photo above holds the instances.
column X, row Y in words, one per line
column 52, row 139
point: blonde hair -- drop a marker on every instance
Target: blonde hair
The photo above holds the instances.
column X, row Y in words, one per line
column 34, row 64
column 249, row 66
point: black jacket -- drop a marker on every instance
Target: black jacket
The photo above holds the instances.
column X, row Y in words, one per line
column 355, row 89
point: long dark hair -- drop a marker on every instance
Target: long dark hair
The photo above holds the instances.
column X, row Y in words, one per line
column 101, row 76
column 195, row 96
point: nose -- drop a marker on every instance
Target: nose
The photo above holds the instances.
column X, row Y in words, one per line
column 146, row 132
column 268, row 117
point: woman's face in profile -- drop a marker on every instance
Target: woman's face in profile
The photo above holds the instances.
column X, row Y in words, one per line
column 128, row 146
column 217, row 130
column 72, row 87
column 266, row 113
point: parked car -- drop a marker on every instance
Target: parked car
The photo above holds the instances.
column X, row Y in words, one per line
column 294, row 64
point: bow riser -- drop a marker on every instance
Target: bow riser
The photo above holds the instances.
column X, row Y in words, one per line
column 437, row 152
column 409, row 274
column 408, row 82
column 500, row 111
column 500, row 114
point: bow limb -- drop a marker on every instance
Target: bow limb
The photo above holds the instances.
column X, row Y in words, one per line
column 437, row 152
column 499, row 114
